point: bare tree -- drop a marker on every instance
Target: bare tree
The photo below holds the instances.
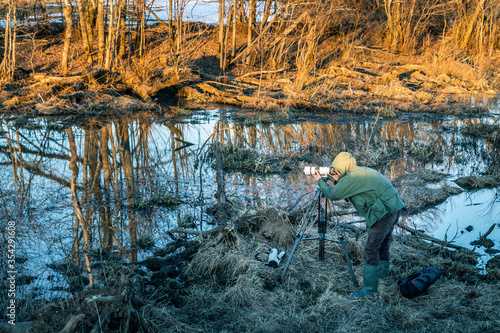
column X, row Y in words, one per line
column 100, row 32
column 9, row 57
column 86, row 34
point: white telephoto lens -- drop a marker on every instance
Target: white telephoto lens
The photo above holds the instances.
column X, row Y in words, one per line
column 324, row 170
column 308, row 170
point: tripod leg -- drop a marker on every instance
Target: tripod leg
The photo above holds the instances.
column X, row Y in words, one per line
column 349, row 264
column 297, row 241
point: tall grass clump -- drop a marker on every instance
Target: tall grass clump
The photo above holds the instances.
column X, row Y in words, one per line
column 407, row 23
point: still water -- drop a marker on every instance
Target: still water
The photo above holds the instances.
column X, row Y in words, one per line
column 99, row 186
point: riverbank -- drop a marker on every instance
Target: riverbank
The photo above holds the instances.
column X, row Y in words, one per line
column 370, row 80
column 207, row 280
column 215, row 281
column 223, row 284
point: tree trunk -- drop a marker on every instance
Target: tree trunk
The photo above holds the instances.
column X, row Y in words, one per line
column 251, row 19
column 82, row 14
column 100, row 33
column 170, row 13
column 9, row 58
column 123, row 29
column 13, row 45
column 108, row 64
column 221, row 33
column 233, row 51
column 143, row 23
column 265, row 17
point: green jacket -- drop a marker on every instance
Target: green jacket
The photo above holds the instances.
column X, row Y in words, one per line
column 372, row 195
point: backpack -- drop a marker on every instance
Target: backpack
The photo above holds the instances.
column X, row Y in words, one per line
column 417, row 283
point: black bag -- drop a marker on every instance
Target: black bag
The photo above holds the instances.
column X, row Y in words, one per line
column 415, row 284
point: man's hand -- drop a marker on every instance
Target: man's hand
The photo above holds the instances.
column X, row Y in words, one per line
column 336, row 175
column 317, row 175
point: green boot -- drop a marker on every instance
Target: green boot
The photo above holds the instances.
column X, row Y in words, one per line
column 384, row 269
column 370, row 281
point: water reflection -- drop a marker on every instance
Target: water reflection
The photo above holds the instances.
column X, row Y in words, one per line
column 80, row 190
column 463, row 218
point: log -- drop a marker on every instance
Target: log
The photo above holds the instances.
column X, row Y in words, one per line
column 189, row 92
column 214, row 91
column 56, row 79
column 193, row 232
column 225, row 100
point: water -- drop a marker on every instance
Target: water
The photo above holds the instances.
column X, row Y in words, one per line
column 123, row 165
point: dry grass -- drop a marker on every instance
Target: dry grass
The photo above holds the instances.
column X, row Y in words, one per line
column 224, row 288
column 315, row 294
column 251, row 161
column 414, row 189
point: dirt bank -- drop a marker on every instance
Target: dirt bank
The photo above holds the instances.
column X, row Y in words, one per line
column 371, row 81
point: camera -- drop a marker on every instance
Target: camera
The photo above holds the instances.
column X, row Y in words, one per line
column 323, row 171
column 275, row 257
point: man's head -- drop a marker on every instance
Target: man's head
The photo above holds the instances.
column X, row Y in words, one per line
column 343, row 163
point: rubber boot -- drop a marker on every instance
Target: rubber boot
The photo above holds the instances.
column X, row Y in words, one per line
column 370, row 281
column 384, row 269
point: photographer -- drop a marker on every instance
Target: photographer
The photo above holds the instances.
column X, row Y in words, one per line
column 374, row 198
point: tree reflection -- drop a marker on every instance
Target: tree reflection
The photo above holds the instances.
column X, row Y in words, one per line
column 106, row 173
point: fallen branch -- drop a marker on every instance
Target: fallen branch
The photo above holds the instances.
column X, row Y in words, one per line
column 262, row 72
column 490, row 230
column 71, row 325
column 429, row 238
column 55, row 79
column 212, row 90
column 192, row 231
column 103, row 299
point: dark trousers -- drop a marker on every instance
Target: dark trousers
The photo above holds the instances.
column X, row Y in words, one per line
column 379, row 239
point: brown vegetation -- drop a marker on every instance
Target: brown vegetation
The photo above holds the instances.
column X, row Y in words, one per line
column 361, row 56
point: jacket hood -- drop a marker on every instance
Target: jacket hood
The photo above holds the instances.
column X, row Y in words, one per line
column 343, row 163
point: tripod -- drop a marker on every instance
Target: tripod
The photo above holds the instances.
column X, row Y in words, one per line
column 322, row 224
